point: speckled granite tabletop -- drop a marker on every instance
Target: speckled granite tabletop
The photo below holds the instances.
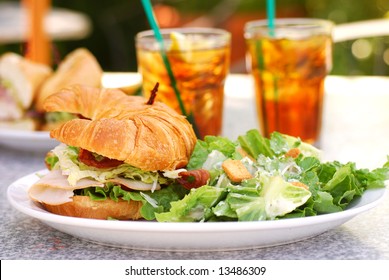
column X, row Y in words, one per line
column 348, row 134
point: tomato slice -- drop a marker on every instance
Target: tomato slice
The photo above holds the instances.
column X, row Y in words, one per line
column 89, row 159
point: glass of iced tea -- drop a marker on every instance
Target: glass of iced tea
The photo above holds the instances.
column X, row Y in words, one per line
column 200, row 60
column 289, row 64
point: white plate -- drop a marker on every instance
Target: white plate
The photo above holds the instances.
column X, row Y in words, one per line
column 34, row 141
column 187, row 236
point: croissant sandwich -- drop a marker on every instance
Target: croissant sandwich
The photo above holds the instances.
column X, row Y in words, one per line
column 118, row 160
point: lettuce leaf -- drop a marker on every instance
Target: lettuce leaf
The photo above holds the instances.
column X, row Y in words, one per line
column 210, row 143
column 56, row 117
column 152, row 202
column 255, row 144
column 194, row 207
column 282, row 197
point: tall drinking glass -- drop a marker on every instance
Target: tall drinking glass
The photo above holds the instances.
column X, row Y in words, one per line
column 289, row 64
column 199, row 59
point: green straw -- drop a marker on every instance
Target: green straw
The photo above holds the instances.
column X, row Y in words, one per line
column 158, row 36
column 261, row 66
column 271, row 13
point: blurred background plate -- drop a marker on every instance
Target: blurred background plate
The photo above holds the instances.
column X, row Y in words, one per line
column 130, row 83
column 33, row 141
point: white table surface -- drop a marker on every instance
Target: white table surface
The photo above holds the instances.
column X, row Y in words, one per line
column 355, row 128
column 355, row 121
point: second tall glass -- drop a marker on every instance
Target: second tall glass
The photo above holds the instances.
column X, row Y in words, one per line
column 289, row 65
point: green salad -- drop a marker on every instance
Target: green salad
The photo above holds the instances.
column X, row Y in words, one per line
column 281, row 184
column 283, row 178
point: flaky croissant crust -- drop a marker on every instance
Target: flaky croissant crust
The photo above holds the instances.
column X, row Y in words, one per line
column 150, row 137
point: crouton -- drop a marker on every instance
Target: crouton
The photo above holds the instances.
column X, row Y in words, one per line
column 294, row 153
column 235, row 170
column 299, row 184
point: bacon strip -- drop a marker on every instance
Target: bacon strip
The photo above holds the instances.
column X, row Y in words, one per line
column 89, row 159
column 153, row 94
column 193, row 178
column 82, row 117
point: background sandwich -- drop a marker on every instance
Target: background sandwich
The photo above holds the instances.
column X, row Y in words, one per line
column 20, row 82
column 78, row 67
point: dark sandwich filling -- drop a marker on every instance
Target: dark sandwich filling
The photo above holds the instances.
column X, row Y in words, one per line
column 54, row 118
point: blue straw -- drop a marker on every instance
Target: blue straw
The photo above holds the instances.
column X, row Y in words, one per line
column 271, row 12
column 158, row 36
column 152, row 21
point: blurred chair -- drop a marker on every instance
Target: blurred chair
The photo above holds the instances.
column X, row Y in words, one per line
column 362, row 48
column 60, row 24
column 361, row 29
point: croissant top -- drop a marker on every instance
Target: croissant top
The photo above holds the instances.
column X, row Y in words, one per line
column 150, row 137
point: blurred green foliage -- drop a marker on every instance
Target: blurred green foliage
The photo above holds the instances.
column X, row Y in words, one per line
column 115, row 23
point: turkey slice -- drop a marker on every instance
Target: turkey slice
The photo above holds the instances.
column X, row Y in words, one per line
column 135, row 185
column 54, row 188
column 56, row 179
column 50, row 195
